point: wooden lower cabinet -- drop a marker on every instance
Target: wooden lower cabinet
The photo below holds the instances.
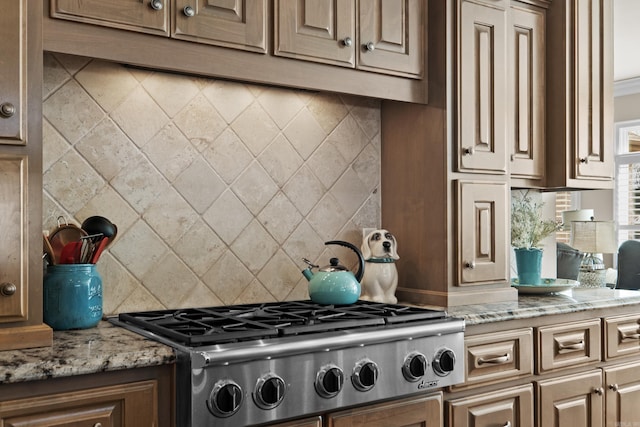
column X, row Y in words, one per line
column 506, row 407
column 132, row 404
column 307, row 422
column 622, row 395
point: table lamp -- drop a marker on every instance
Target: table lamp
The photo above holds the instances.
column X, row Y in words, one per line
column 593, row 238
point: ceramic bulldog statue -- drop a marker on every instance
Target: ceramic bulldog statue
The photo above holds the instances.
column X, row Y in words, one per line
column 380, row 279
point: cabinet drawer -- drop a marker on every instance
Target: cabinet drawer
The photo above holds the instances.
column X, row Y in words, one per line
column 568, row 345
column 508, row 407
column 622, row 336
column 497, row 357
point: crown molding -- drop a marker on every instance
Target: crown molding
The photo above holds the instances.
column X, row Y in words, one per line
column 626, row 87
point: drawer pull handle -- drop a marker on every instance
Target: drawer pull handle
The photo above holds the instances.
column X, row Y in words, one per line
column 494, row 360
column 575, row 345
column 629, row 335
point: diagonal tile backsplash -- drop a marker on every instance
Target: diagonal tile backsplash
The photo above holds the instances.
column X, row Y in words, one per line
column 218, row 188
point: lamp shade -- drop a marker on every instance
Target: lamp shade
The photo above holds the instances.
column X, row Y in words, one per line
column 594, row 237
column 577, row 215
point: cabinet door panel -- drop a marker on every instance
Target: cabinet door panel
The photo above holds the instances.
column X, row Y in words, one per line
column 135, row 15
column 482, row 210
column 12, row 72
column 394, row 29
column 571, row 401
column 13, row 258
column 482, row 120
column 241, row 24
column 568, row 345
column 316, row 30
column 527, row 40
column 508, row 407
column 623, row 394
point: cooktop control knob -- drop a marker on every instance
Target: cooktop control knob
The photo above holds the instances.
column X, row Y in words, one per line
column 414, row 367
column 329, row 381
column 444, row 362
column 269, row 392
column 365, row 375
column 226, row 398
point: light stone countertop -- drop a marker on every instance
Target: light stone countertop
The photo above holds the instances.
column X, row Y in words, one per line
column 100, row 349
column 528, row 306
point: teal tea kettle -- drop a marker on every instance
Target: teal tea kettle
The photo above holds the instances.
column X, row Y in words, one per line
column 334, row 283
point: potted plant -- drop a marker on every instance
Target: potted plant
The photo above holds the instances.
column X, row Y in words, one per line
column 528, row 229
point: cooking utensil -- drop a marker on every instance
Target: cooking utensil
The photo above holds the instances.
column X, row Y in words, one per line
column 99, row 225
column 63, row 234
column 47, row 249
column 104, row 242
column 70, row 253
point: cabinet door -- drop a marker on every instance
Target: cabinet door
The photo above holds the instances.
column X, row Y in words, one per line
column 482, row 234
column 593, row 90
column 12, row 72
column 482, row 86
column 241, row 24
column 527, row 59
column 508, row 407
column 307, row 422
column 391, row 34
column 122, row 405
column 623, row 394
column 571, row 401
column 421, row 411
column 316, row 30
column 13, row 253
column 147, row 16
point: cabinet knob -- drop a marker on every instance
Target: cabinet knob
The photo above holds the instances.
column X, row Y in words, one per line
column 614, row 387
column 584, row 160
column 508, row 424
column 599, row 391
column 468, row 151
column 156, row 4
column 7, row 109
column 7, row 289
column 370, row 47
column 97, row 425
column 347, row 41
column 189, row 11
column 470, row 265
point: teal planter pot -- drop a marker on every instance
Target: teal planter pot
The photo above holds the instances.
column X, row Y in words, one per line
column 529, row 264
column 72, row 296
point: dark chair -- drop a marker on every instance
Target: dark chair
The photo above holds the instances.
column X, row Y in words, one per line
column 629, row 265
column 567, row 262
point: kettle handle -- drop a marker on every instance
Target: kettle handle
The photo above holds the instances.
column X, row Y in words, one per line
column 354, row 249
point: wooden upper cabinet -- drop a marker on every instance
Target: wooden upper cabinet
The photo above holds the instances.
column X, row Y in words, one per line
column 147, row 16
column 316, row 30
column 382, row 36
column 240, row 24
column 580, row 94
column 482, row 88
column 527, row 93
column 12, row 73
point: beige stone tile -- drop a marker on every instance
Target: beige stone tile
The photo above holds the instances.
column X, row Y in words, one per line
column 200, row 122
column 72, row 182
column 254, row 188
column 280, row 275
column 280, row 217
column 350, row 192
column 282, row 105
column 170, row 151
column 304, row 242
column 170, row 216
column 108, row 83
column 140, row 300
column 107, row 148
column 228, row 156
column 299, row 292
column 169, row 280
column 200, row 247
column 117, row 283
column 254, row 246
column 111, row 205
column 304, row 190
column 228, row 217
column 327, row 163
column 51, row 210
column 139, row 249
column 280, row 160
column 327, row 217
column 199, row 185
column 72, row 63
column 367, row 167
column 172, row 92
column 368, row 216
column 139, row 117
column 328, row 110
column 54, row 145
column 229, row 98
column 255, row 128
column 227, row 278
column 367, row 114
column 254, row 293
column 305, row 133
column 199, row 296
column 348, row 139
column 55, row 75
column 139, row 183
column 71, row 111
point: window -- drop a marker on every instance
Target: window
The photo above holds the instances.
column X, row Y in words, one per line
column 627, row 185
column 564, row 202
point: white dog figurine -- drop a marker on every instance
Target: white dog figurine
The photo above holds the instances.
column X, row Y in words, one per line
column 380, row 279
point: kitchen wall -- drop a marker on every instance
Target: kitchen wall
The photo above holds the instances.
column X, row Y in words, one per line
column 218, row 188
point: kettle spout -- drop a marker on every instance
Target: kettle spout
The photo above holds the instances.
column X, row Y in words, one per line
column 307, row 273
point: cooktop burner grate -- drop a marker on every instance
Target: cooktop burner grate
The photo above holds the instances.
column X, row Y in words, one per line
column 216, row 325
